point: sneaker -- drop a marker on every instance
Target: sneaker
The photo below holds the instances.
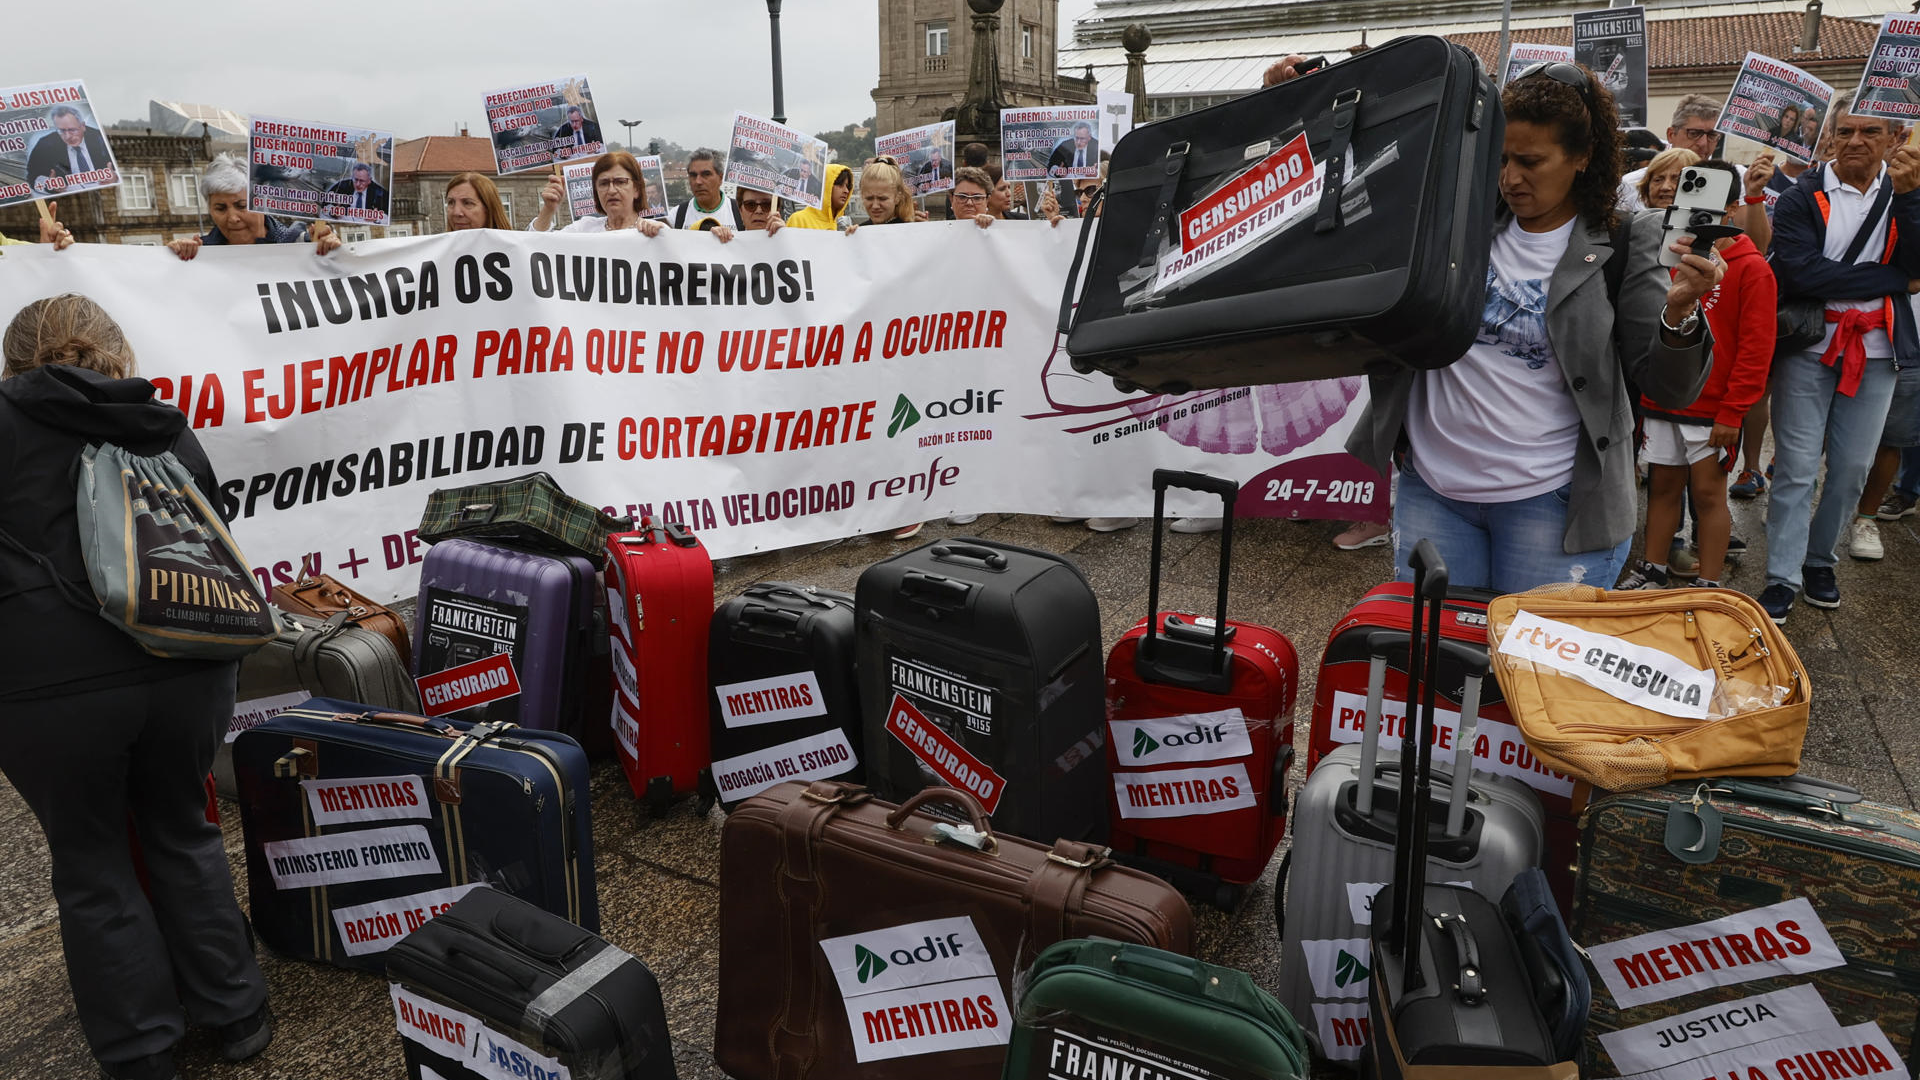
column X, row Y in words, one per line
column 1750, row 484
column 1681, row 561
column 910, row 531
column 1865, row 544
column 1364, row 534
column 1106, row 525
column 1896, row 505
column 1066, row 520
column 1196, row 525
column 243, row 1039
column 1778, row 602
column 1644, row 576
column 1769, row 468
column 152, row 1067
column 963, row 519
column 1822, row 591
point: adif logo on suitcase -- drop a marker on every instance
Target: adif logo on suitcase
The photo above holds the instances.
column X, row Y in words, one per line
column 1338, row 967
column 915, row 954
column 918, row 988
column 1212, row 736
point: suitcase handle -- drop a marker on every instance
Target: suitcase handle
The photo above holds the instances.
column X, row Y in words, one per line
column 1183, row 666
column 425, row 723
column 1473, row 659
column 1472, row 988
column 804, row 596
column 1079, row 253
column 774, row 618
column 1416, row 757
column 1160, row 968
column 966, row 803
column 971, row 553
column 935, row 586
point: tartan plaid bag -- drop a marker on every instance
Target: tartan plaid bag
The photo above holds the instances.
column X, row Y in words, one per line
column 528, row 511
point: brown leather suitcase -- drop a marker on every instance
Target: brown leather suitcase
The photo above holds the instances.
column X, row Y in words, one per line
column 859, row 939
column 322, row 597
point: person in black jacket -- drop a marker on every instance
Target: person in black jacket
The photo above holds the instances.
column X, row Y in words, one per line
column 97, row 730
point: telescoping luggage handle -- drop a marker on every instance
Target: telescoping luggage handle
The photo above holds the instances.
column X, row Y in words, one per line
column 1470, row 658
column 1189, row 656
column 1416, row 758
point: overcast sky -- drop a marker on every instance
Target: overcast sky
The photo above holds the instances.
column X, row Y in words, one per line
column 420, row 68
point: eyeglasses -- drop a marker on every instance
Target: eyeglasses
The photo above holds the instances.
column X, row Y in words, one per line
column 613, row 183
column 1699, row 134
column 1561, row 72
column 758, row 206
column 1087, row 192
column 957, row 197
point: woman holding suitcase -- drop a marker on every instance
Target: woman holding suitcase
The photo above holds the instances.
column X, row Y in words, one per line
column 1518, row 457
column 97, row 731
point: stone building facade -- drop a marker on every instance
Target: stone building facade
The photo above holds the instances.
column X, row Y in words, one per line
column 926, row 48
column 158, row 198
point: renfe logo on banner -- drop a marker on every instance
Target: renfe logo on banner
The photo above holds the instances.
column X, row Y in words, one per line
column 1781, row 939
column 950, row 761
column 490, row 678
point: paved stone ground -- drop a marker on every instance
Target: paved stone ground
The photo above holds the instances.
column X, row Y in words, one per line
column 658, row 880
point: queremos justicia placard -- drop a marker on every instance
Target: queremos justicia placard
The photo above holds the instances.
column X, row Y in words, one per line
column 769, row 392
column 579, row 180
column 1053, row 142
column 1776, row 104
column 1522, row 55
column 297, row 169
column 924, row 154
column 776, row 159
column 1890, row 86
column 1612, row 43
column 51, row 143
column 536, row 124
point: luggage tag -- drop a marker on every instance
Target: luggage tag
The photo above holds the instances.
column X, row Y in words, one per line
column 1693, row 828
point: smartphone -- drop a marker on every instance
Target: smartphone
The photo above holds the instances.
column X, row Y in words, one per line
column 1700, row 201
column 1306, row 66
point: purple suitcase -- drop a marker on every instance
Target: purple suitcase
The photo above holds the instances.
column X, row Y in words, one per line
column 549, row 611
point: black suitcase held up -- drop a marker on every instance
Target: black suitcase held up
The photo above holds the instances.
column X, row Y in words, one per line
column 495, row 987
column 980, row 668
column 1223, row 260
column 783, row 704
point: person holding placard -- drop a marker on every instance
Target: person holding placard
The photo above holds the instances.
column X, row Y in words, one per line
column 474, row 203
column 758, row 210
column 619, row 193
column 75, row 148
column 223, row 185
column 51, row 231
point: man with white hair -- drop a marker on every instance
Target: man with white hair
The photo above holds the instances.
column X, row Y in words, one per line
column 73, row 148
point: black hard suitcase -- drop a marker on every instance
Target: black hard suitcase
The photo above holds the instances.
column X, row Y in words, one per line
column 528, row 994
column 1453, row 990
column 980, row 668
column 360, row 824
column 783, row 703
column 1385, row 265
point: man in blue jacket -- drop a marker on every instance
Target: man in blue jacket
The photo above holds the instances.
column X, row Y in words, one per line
column 1835, row 395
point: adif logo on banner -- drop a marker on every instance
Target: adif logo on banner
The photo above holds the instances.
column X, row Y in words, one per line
column 915, row 954
column 1345, row 1029
column 1633, row 673
column 1780, row 939
column 1722, row 1026
column 369, row 798
column 770, row 700
column 1858, row 1051
column 1338, row 966
column 1498, row 747
column 814, row 757
column 367, row 855
column 918, row 989
column 372, row 928
column 1194, row 737
column 1183, row 792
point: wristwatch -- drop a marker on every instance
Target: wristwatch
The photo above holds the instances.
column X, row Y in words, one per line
column 1687, row 325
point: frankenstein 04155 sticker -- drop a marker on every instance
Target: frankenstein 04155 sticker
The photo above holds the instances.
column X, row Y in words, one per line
column 1211, row 736
column 366, row 855
column 950, row 761
column 1171, row 793
column 1100, row 1054
column 930, row 686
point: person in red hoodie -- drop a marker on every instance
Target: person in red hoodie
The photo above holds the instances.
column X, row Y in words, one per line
column 1695, row 448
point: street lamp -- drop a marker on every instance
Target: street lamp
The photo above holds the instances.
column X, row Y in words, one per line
column 630, row 125
column 779, row 92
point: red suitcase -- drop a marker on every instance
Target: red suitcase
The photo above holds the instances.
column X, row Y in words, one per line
column 1340, row 697
column 660, row 596
column 1199, row 733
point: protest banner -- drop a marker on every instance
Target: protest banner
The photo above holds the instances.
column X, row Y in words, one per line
column 772, row 392
column 924, row 154
column 51, row 144
column 1053, row 142
column 319, row 172
column 1890, row 85
column 579, row 180
column 776, row 159
column 1612, row 43
column 1776, row 104
column 1523, row 55
column 535, row 125
column 1116, row 117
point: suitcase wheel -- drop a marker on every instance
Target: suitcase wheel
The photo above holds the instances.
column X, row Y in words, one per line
column 1125, row 386
column 1228, row 898
column 659, row 796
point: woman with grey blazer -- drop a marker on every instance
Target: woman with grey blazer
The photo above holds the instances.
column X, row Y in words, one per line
column 1517, row 459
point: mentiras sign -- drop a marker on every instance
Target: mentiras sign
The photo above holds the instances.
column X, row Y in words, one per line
column 919, row 988
column 1780, row 939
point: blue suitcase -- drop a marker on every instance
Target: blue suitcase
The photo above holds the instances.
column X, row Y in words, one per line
column 549, row 612
column 361, row 824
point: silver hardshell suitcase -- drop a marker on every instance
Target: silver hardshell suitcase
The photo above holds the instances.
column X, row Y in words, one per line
column 1344, row 818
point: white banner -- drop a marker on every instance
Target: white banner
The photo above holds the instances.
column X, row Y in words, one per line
column 1861, row 1050
column 1344, row 1028
column 1633, row 673
column 926, row 1019
column 468, row 1040
column 769, row 392
column 1787, row 938
column 1723, row 1026
column 1338, row 967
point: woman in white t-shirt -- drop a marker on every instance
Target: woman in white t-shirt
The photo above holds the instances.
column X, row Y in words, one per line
column 619, row 193
column 1517, row 459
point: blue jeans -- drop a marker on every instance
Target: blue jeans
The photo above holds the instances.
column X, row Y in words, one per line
column 1809, row 413
column 1507, row 547
column 1909, row 484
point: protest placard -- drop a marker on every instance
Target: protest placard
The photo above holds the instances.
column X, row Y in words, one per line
column 1776, row 104
column 924, row 154
column 1612, row 43
column 579, row 180
column 655, row 172
column 50, row 143
column 535, row 125
column 1055, row 141
column 1524, row 54
column 319, row 172
column 776, row 159
column 1890, row 86
column 1116, row 116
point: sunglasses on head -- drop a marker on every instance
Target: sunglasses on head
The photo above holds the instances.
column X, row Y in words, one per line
column 883, row 159
column 1561, row 72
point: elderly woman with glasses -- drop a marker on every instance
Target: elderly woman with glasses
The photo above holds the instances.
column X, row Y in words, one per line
column 1518, row 459
column 619, row 193
column 972, row 188
column 223, row 184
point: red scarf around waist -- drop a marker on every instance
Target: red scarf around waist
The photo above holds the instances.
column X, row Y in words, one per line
column 1849, row 345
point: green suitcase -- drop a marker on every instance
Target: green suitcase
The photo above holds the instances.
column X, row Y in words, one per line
column 528, row 511
column 1098, row 1008
column 1857, row 862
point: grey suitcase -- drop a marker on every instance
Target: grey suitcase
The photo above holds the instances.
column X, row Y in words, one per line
column 1484, row 834
column 309, row 657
